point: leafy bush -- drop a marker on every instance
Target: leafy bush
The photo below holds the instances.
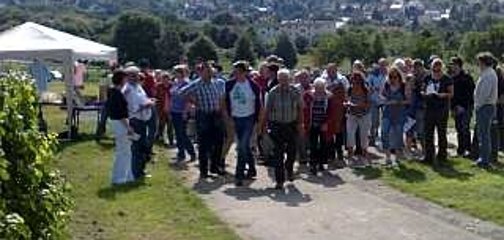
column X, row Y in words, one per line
column 34, row 202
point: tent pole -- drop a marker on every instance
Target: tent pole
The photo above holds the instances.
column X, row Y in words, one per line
column 69, row 84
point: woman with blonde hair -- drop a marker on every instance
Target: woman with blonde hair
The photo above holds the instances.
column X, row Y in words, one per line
column 394, row 99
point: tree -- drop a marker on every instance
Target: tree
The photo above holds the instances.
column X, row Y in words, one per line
column 170, row 48
column 286, row 50
column 302, row 44
column 244, row 51
column 377, row 48
column 425, row 47
column 34, row 197
column 202, row 48
column 135, row 36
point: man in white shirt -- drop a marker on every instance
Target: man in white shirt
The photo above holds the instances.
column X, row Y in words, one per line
column 139, row 112
column 243, row 104
column 485, row 100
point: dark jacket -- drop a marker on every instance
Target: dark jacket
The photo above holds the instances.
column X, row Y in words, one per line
column 463, row 91
column 257, row 92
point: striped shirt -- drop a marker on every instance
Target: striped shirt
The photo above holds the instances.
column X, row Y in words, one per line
column 283, row 104
column 319, row 110
column 206, row 94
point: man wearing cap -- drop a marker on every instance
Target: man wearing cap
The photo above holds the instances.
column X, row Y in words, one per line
column 139, row 112
column 207, row 93
column 462, row 104
column 243, row 106
column 375, row 81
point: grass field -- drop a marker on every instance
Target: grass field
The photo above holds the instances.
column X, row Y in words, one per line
column 457, row 185
column 159, row 208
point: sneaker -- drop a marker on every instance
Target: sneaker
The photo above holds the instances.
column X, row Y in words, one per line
column 193, row 158
column 279, row 186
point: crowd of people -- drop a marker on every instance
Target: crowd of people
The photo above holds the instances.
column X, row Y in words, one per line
column 277, row 116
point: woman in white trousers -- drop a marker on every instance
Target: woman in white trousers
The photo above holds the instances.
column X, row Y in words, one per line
column 118, row 112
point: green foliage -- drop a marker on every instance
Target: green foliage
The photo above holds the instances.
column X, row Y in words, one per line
column 135, row 36
column 302, row 44
column 427, row 45
column 226, row 18
column 377, row 49
column 170, row 48
column 222, row 37
column 34, row 201
column 244, row 51
column 286, row 50
column 203, row 49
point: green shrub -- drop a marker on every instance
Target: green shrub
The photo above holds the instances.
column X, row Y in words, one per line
column 34, row 202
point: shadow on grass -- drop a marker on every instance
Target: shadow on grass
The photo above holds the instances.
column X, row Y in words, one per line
column 368, row 173
column 448, row 170
column 409, row 175
column 110, row 192
column 291, row 195
column 105, row 143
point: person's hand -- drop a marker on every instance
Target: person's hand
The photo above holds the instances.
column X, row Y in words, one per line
column 324, row 127
column 130, row 130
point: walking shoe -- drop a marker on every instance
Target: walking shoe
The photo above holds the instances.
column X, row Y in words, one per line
column 279, row 186
column 290, row 176
column 193, row 158
column 388, row 162
column 239, row 183
column 313, row 170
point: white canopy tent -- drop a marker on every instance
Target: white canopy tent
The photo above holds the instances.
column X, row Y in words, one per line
column 31, row 41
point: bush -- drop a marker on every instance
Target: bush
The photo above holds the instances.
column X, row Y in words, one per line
column 34, row 201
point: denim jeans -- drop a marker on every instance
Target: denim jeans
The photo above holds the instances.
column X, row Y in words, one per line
column 484, row 117
column 375, row 111
column 244, row 128
column 462, row 124
column 139, row 149
column 210, row 128
column 152, row 127
column 392, row 135
column 184, row 144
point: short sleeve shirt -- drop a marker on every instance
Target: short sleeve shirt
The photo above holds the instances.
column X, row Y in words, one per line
column 440, row 86
column 242, row 100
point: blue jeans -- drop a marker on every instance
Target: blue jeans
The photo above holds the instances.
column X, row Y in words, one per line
column 139, row 149
column 152, row 126
column 375, row 121
column 484, row 117
column 183, row 142
column 392, row 135
column 462, row 124
column 244, row 128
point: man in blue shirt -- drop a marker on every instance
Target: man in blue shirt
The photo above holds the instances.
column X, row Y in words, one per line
column 375, row 82
column 207, row 93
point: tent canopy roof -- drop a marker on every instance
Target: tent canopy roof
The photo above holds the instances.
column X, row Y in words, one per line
column 33, row 37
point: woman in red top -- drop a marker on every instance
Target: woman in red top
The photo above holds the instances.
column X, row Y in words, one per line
column 336, row 118
column 165, row 129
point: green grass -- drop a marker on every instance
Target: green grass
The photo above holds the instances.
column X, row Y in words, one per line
column 160, row 208
column 457, row 185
